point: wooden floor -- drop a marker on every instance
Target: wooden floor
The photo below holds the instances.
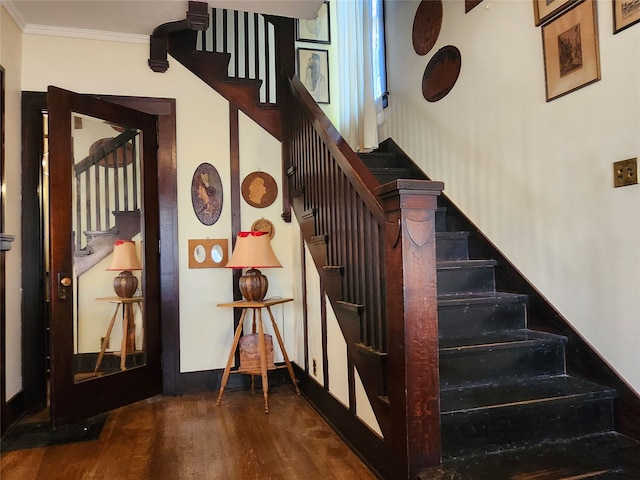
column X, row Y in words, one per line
column 180, row 438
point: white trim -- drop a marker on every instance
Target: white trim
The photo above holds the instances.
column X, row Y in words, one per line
column 9, row 5
column 87, row 34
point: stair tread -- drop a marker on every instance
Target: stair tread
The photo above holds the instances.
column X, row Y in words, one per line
column 498, row 339
column 479, row 298
column 452, row 234
column 604, row 455
column 519, row 392
column 457, row 264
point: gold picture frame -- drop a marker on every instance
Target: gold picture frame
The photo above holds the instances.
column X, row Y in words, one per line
column 544, row 10
column 208, row 253
column 571, row 52
column 625, row 14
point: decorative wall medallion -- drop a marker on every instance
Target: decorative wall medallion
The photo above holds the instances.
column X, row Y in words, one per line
column 259, row 189
column 441, row 73
column 116, row 156
column 426, row 25
column 264, row 225
column 206, row 194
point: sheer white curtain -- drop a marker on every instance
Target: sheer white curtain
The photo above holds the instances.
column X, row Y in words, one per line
column 360, row 70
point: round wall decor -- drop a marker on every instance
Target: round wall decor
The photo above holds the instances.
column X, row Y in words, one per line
column 426, row 25
column 206, row 194
column 264, row 225
column 441, row 73
column 259, row 189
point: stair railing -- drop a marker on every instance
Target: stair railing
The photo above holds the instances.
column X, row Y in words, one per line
column 107, row 181
column 250, row 40
column 382, row 240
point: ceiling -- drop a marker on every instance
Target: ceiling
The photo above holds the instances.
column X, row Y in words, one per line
column 133, row 17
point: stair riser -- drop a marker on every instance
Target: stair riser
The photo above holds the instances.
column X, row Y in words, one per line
column 491, row 430
column 455, row 248
column 441, row 220
column 465, row 279
column 466, row 367
column 476, row 319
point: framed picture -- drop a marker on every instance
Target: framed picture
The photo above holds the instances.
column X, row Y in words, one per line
column 316, row 30
column 206, row 194
column 208, row 253
column 570, row 44
column 625, row 14
column 313, row 70
column 470, row 4
column 544, row 10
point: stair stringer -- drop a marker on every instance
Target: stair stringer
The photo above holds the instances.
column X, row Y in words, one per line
column 369, row 363
column 211, row 68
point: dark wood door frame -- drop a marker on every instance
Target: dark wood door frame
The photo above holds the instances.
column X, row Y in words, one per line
column 34, row 311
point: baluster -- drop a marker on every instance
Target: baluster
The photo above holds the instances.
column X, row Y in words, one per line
column 236, row 57
column 125, row 175
column 116, row 188
column 87, row 201
column 225, row 31
column 97, row 196
column 134, row 171
column 78, row 213
column 246, row 45
column 107, row 215
column 267, row 64
column 256, row 47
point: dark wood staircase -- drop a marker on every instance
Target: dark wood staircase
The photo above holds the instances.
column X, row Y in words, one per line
column 505, row 393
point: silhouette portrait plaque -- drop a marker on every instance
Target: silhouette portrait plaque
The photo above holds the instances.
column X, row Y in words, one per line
column 259, row 189
column 206, row 194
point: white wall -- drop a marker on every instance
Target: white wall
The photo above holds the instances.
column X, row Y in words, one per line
column 10, row 59
column 535, row 176
column 94, row 66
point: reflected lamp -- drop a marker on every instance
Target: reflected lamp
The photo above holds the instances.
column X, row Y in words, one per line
column 253, row 251
column 125, row 259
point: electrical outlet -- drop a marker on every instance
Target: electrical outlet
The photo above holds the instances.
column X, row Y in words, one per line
column 315, row 368
column 625, row 172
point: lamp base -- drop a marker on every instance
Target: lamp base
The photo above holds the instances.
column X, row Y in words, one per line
column 253, row 285
column 125, row 284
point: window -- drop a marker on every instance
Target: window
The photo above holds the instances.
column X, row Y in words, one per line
column 379, row 51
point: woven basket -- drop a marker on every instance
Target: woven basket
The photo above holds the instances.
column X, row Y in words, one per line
column 250, row 353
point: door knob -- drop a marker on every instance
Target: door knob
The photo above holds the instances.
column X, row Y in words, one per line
column 64, row 282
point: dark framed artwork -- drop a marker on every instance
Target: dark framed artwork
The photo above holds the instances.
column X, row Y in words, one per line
column 571, row 53
column 544, row 10
column 206, row 194
column 313, row 71
column 625, row 14
column 315, row 30
column 259, row 189
column 470, row 4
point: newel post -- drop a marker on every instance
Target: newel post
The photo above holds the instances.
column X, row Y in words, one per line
column 412, row 324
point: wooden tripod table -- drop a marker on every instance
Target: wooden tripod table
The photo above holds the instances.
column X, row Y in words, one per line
column 256, row 308
column 128, row 328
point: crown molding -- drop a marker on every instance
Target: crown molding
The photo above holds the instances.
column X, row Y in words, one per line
column 10, row 7
column 34, row 29
column 86, row 34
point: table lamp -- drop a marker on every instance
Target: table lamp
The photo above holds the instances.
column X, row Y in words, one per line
column 125, row 259
column 253, row 250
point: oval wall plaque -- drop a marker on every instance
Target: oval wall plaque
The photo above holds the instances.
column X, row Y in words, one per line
column 206, row 194
column 441, row 73
column 426, row 25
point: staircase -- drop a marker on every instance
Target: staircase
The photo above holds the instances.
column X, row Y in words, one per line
column 506, row 399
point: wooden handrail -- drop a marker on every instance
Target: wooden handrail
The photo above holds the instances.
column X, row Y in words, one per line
column 383, row 239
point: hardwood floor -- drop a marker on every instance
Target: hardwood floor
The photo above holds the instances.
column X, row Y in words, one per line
column 180, row 438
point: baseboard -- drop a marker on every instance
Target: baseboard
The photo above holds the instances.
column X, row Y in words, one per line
column 12, row 411
column 210, row 380
column 360, row 438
